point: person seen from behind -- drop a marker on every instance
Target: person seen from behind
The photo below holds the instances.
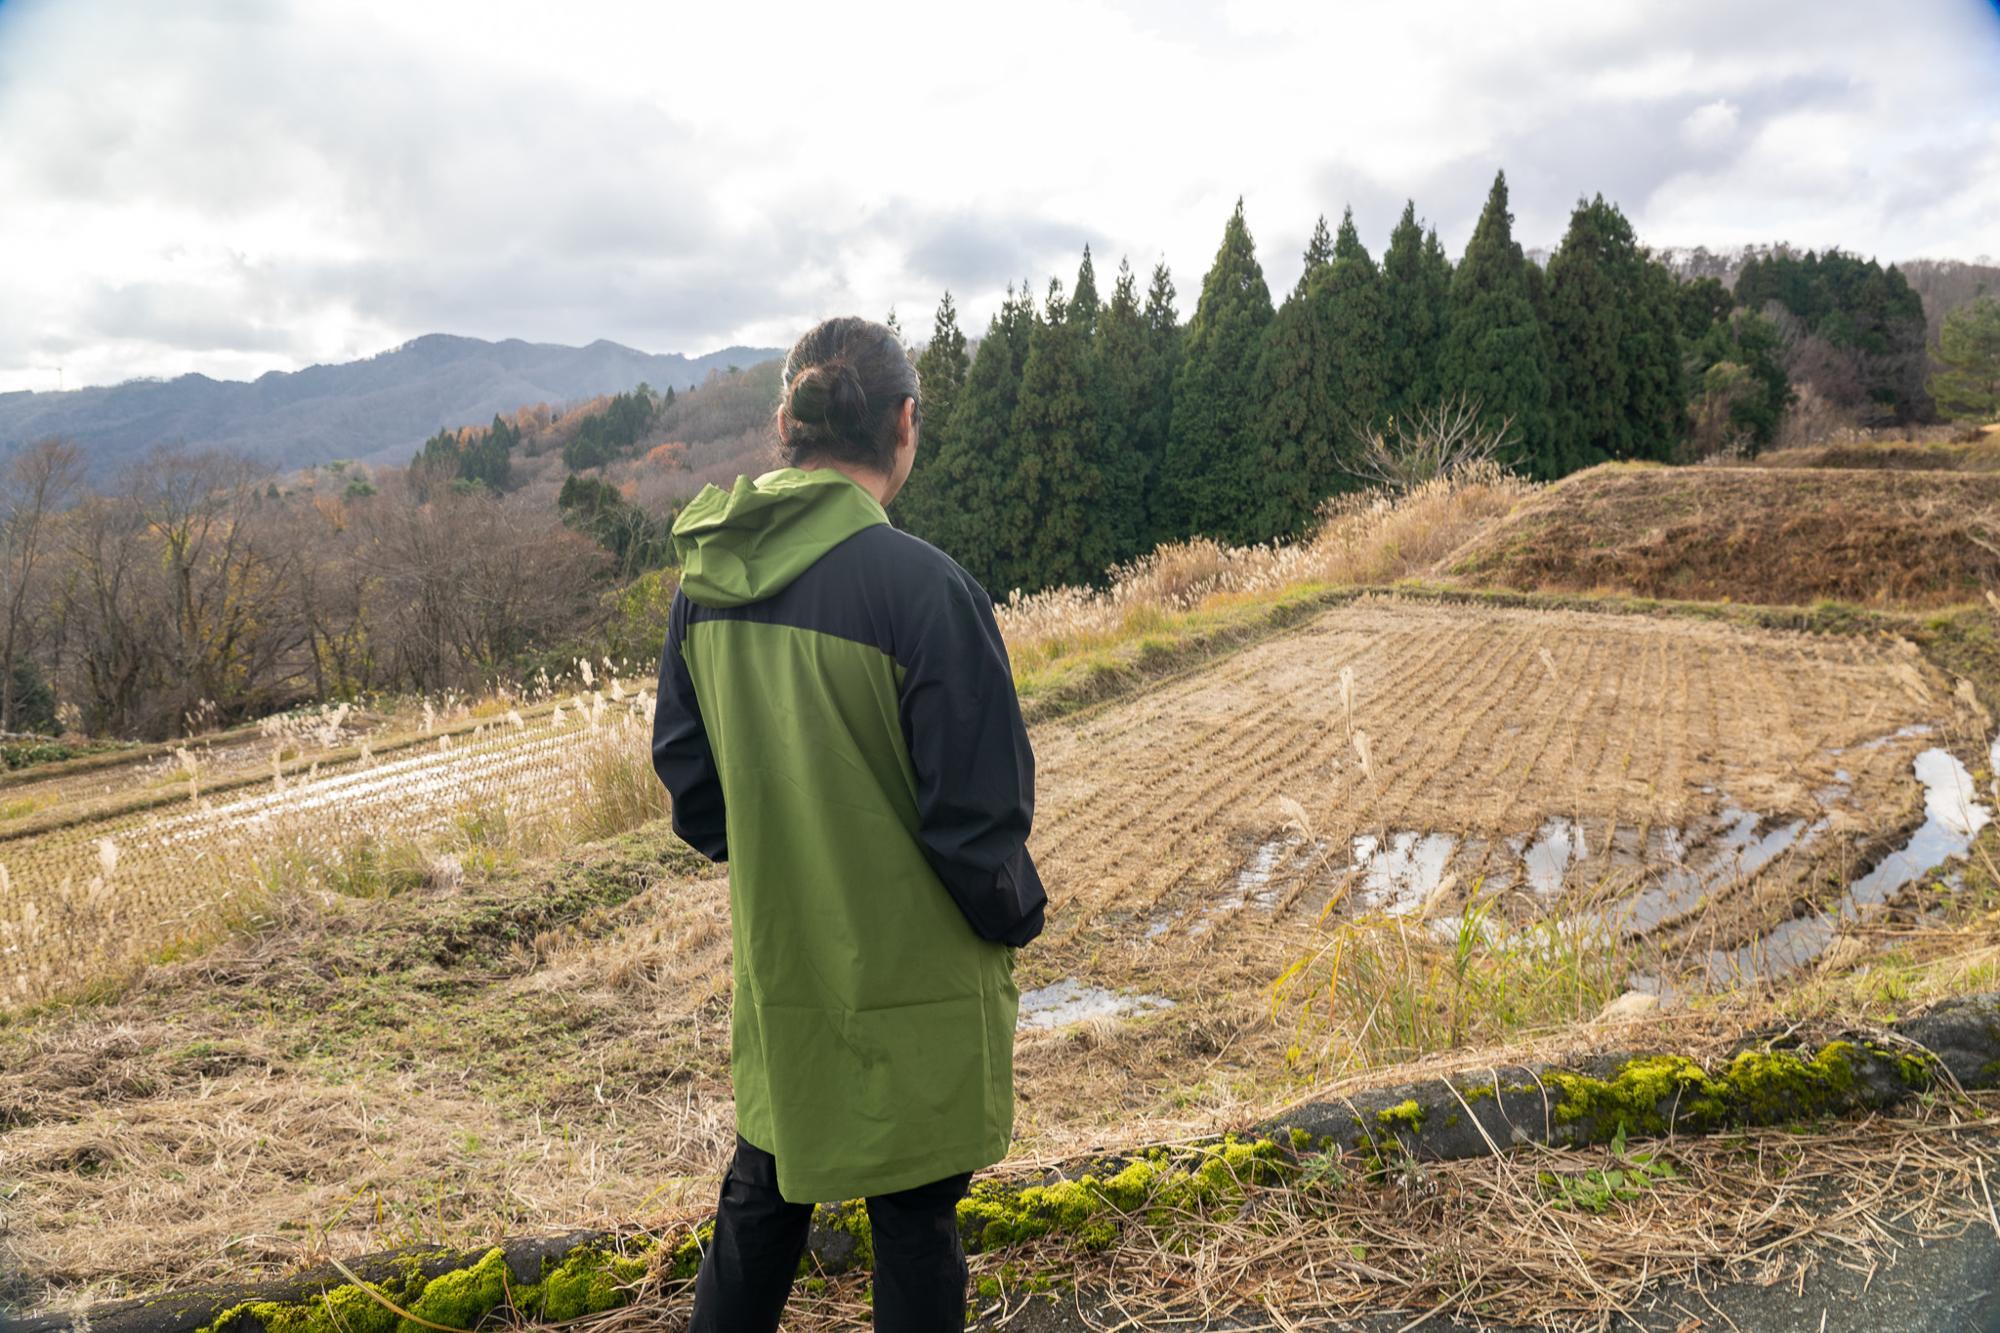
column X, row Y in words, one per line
column 837, row 721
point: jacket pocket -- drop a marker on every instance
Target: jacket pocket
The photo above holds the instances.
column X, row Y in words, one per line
column 923, row 1066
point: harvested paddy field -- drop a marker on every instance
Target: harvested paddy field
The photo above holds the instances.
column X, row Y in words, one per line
column 540, row 1051
column 1404, row 757
column 106, row 863
column 1765, row 535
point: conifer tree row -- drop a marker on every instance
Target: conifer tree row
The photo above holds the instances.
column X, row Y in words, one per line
column 1085, row 431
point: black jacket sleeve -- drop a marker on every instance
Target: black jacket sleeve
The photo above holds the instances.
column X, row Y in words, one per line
column 681, row 753
column 975, row 771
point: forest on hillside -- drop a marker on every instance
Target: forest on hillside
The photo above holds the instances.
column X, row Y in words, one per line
column 1080, row 431
column 198, row 588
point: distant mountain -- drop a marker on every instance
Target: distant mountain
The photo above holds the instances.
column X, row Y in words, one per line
column 381, row 408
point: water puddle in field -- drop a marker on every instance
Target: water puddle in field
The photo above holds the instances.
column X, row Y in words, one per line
column 1071, row 1001
column 1547, row 860
column 1899, row 734
column 1658, row 877
column 1739, row 848
column 1953, row 817
column 1399, row 876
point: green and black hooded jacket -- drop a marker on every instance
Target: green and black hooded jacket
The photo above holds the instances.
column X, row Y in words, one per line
column 837, row 720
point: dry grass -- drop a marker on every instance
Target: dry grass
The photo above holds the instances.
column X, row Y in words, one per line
column 444, row 1067
column 1378, row 991
column 1981, row 455
column 1363, row 540
column 1481, row 1239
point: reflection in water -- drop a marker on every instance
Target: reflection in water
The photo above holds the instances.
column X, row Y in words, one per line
column 1547, row 860
column 1396, row 879
column 1953, row 816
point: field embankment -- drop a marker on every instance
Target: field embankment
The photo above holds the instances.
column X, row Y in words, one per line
column 1872, row 537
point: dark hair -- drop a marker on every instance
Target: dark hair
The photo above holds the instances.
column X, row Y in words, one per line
column 844, row 385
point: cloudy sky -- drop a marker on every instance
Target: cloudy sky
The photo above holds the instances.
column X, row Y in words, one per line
column 234, row 186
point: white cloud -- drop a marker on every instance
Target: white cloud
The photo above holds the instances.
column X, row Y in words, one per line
column 1711, row 124
column 237, row 187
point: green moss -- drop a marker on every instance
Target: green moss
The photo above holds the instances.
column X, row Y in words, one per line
column 1090, row 1209
column 1405, row 1116
column 588, row 1281
column 1652, row 1094
column 1762, row 1087
column 1914, row 1069
column 461, row 1298
column 343, row 1309
column 687, row 1255
column 1635, row 1096
column 851, row 1219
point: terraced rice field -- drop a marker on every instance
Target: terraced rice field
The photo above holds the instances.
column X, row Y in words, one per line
column 1688, row 781
column 114, row 864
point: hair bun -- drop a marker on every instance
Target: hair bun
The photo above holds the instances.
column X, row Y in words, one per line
column 844, row 386
column 829, row 394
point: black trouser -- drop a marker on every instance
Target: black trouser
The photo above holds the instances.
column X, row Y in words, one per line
column 748, row 1270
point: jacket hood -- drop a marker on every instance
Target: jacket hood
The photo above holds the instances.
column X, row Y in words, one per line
column 750, row 541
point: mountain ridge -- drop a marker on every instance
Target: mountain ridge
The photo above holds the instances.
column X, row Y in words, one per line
column 377, row 408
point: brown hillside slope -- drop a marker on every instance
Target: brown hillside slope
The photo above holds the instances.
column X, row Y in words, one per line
column 1877, row 537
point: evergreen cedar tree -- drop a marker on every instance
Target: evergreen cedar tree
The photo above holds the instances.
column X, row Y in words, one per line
column 1298, row 428
column 1209, row 483
column 1123, row 402
column 1496, row 345
column 941, row 371
column 1356, row 310
column 1614, row 331
column 1968, row 385
column 1416, row 291
column 1162, row 366
column 1084, row 431
column 1044, row 527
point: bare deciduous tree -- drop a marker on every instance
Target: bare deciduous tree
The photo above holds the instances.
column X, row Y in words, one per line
column 1445, row 439
column 39, row 483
